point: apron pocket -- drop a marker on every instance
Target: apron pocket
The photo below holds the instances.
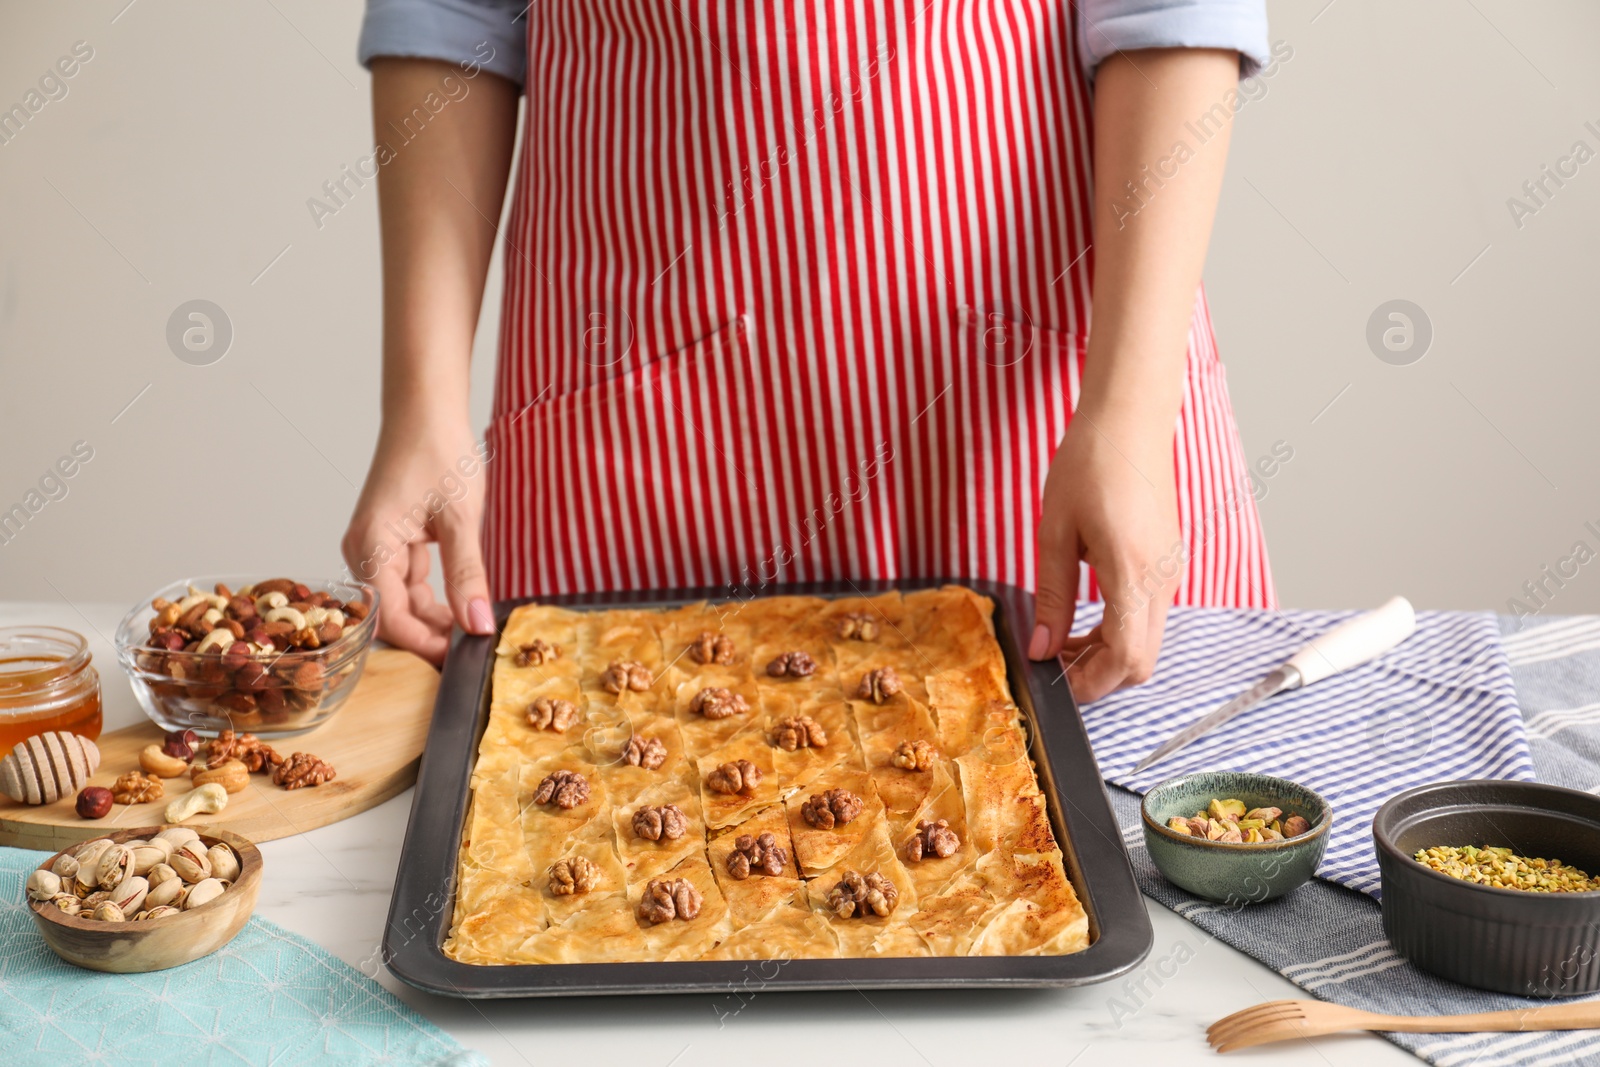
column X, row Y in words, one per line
column 626, row 483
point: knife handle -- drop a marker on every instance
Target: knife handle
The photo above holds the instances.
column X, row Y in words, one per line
column 1352, row 643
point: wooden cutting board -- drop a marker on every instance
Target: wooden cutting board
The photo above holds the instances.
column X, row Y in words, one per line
column 374, row 743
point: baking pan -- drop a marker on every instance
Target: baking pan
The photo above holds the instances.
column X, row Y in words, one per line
column 1096, row 857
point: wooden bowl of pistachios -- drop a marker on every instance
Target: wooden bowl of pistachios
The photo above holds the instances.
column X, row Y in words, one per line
column 147, row 898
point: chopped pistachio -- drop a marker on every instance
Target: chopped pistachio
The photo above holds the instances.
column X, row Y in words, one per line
column 1504, row 869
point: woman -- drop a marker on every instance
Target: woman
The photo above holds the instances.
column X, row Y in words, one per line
column 801, row 291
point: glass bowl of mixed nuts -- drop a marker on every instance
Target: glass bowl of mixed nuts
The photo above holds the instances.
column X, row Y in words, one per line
column 274, row 657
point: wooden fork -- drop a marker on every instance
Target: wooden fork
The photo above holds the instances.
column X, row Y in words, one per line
column 1285, row 1020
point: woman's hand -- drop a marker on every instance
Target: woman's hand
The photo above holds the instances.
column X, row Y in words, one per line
column 1109, row 501
column 422, row 487
column 437, row 197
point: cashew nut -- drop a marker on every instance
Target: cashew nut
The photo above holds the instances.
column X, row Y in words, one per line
column 287, row 614
column 206, row 799
column 213, row 616
column 190, row 601
column 335, row 616
column 217, row 640
column 218, row 601
column 154, row 760
column 316, row 616
column 267, row 601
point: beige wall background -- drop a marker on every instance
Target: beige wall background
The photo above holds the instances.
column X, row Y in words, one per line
column 1375, row 165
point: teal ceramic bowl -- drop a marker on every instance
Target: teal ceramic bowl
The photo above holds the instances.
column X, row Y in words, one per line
column 1226, row 872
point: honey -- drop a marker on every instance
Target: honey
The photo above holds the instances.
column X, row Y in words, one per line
column 46, row 683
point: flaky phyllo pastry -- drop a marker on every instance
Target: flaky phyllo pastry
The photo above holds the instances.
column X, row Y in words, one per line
column 778, row 778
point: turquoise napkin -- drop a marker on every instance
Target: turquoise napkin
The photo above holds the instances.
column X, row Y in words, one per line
column 266, row 997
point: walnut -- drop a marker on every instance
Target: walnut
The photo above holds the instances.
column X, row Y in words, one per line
column 858, row 627
column 792, row 665
column 536, row 653
column 137, row 788
column 666, row 822
column 257, row 756
column 302, row 769
column 712, row 647
column 872, row 894
column 564, row 789
column 575, row 875
column 626, row 674
column 756, row 855
column 552, row 713
column 879, row 685
column 648, row 753
column 797, row 732
column 718, row 703
column 669, row 898
column 933, row 839
column 833, row 808
column 739, row 777
column 914, row 756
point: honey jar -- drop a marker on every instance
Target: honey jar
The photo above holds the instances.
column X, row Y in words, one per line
column 46, row 683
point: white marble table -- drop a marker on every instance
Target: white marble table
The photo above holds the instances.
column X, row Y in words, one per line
column 332, row 885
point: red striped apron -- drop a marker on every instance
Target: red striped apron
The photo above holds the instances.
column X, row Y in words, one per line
column 798, row 290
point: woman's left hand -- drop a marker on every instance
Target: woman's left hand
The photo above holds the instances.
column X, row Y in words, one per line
column 1109, row 501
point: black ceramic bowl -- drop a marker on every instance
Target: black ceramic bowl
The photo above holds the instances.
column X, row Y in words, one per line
column 1507, row 940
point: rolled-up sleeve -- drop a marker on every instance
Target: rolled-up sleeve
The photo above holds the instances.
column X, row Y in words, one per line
column 487, row 33
column 1107, row 26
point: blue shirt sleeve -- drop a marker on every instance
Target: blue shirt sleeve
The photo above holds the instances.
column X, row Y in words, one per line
column 1107, row 26
column 491, row 34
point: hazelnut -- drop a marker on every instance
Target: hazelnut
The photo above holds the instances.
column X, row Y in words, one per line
column 181, row 744
column 307, row 677
column 251, row 677
column 94, row 802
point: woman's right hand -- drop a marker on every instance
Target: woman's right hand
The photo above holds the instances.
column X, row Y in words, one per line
column 422, row 487
column 438, row 197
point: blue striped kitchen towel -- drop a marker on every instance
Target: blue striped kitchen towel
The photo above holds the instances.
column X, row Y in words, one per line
column 1330, row 941
column 1440, row 706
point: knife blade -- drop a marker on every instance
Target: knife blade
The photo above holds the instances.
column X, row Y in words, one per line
column 1350, row 644
column 1283, row 678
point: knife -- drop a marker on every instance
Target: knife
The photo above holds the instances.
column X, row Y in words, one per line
column 1350, row 644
